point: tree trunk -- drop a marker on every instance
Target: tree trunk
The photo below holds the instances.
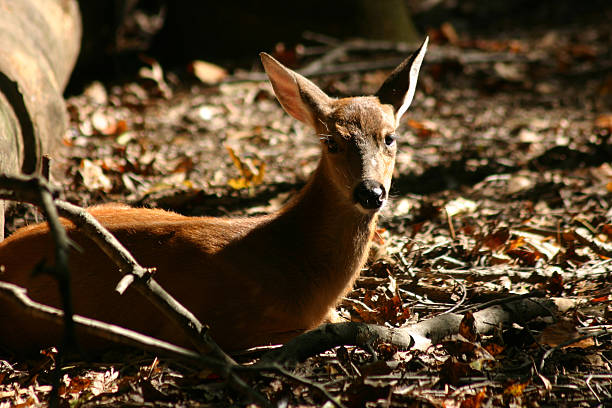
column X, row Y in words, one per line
column 387, row 20
column 39, row 43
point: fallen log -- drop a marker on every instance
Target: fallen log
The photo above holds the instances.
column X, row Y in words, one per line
column 39, row 43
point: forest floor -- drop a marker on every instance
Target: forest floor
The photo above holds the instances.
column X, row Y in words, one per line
column 503, row 186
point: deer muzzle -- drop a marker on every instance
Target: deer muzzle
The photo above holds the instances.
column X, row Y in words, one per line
column 370, row 194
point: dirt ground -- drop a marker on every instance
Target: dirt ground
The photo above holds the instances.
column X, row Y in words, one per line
column 502, row 186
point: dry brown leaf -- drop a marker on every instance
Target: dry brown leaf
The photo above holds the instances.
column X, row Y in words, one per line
column 452, row 371
column 78, row 385
column 555, row 284
column 208, row 73
column 496, row 239
column 561, row 332
column 449, row 33
column 424, row 129
column 467, row 327
column 525, row 257
column 494, row 349
column 540, row 243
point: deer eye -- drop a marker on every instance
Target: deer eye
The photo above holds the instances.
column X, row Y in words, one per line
column 332, row 145
column 390, row 139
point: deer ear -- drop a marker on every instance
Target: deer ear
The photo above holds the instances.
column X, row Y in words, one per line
column 398, row 89
column 300, row 98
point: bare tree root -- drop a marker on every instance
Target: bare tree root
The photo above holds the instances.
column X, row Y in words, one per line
column 418, row 336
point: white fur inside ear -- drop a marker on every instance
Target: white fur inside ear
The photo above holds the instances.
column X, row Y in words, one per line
column 414, row 76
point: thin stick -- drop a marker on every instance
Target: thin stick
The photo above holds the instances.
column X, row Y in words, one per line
column 568, row 343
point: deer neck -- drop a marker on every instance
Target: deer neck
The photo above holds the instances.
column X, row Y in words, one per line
column 332, row 236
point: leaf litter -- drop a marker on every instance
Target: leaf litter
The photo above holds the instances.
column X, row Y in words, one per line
column 502, row 187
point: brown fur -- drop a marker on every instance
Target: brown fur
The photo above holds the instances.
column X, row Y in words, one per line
column 254, row 281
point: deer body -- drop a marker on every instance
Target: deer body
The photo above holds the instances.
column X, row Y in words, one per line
column 256, row 280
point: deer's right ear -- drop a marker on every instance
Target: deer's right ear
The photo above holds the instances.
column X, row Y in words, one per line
column 398, row 89
column 300, row 98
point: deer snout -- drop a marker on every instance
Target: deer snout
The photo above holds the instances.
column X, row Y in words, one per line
column 370, row 194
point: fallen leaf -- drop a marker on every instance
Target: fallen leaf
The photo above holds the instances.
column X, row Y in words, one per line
column 452, row 371
column 555, row 284
column 494, row 349
column 604, row 122
column 96, row 93
column 474, row 401
column 207, row 73
column 542, row 244
column 78, row 385
column 156, row 74
column 93, row 176
column 467, row 327
column 424, row 129
column 449, row 32
column 460, row 206
column 516, row 389
column 251, row 171
column 562, row 332
column 496, row 239
column 525, row 257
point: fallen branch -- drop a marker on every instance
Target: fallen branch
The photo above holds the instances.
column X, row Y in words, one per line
column 331, row 335
column 18, row 296
column 120, row 335
column 418, row 336
column 439, row 54
column 432, row 331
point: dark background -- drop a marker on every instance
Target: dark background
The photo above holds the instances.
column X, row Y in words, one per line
column 232, row 33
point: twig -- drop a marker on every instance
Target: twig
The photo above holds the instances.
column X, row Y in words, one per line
column 308, row 383
column 568, row 343
column 117, row 334
column 325, row 60
column 435, row 55
column 61, row 273
column 461, row 301
column 60, row 269
column 512, row 298
column 321, row 38
column 330, row 335
column 280, row 370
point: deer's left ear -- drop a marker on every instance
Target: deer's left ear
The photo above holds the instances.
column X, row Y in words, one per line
column 398, row 89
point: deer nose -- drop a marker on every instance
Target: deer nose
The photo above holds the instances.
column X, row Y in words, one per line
column 370, row 194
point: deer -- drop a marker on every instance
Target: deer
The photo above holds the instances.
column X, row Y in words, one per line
column 253, row 280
